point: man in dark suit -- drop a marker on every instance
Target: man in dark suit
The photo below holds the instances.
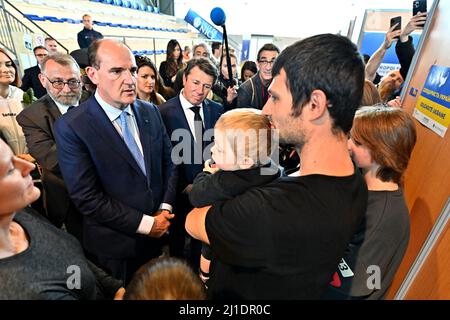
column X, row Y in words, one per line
column 31, row 75
column 114, row 154
column 186, row 117
column 62, row 81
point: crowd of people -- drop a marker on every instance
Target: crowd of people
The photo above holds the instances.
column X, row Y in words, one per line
column 138, row 164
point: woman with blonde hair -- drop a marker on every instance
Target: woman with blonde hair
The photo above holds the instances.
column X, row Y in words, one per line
column 37, row 260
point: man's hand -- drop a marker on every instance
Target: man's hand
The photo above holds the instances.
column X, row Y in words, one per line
column 415, row 23
column 161, row 223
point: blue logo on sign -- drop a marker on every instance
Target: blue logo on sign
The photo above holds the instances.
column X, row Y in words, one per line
column 203, row 26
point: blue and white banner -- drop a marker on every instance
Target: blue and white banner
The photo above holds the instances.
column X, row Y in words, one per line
column 203, row 26
column 433, row 105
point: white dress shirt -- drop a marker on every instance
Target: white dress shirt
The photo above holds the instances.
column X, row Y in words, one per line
column 62, row 107
column 114, row 115
column 190, row 115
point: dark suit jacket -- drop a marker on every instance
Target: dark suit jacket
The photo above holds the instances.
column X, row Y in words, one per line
column 106, row 183
column 174, row 118
column 37, row 123
column 31, row 80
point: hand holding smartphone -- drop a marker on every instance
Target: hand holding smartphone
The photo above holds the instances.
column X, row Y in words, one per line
column 419, row 6
column 397, row 22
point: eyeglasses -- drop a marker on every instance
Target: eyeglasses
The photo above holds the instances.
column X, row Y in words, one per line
column 265, row 62
column 59, row 84
column 41, row 55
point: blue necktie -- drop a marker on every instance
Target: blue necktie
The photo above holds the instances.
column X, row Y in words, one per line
column 131, row 142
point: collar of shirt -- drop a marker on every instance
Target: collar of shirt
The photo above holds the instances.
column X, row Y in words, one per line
column 189, row 114
column 113, row 115
column 112, row 112
column 62, row 108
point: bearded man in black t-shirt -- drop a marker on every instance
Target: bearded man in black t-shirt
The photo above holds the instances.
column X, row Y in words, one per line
column 284, row 239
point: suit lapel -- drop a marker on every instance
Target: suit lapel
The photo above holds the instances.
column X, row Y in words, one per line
column 105, row 129
column 209, row 125
column 53, row 113
column 209, row 121
column 181, row 116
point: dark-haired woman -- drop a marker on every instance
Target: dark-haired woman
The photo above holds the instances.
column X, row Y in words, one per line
column 147, row 86
column 174, row 62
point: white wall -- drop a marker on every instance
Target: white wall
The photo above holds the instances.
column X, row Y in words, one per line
column 287, row 18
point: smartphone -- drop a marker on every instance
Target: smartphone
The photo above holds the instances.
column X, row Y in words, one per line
column 419, row 6
column 396, row 21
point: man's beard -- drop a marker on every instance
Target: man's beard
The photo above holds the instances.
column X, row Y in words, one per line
column 386, row 89
column 296, row 138
column 66, row 99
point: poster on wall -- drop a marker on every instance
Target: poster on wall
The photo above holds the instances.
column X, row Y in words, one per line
column 372, row 41
column 433, row 105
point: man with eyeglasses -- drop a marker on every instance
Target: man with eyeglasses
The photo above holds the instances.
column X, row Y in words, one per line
column 253, row 93
column 187, row 116
column 31, row 75
column 114, row 154
column 60, row 76
column 86, row 36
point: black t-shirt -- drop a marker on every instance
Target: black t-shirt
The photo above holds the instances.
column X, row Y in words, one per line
column 283, row 240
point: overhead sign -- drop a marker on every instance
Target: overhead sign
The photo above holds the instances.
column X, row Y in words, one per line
column 203, row 26
column 433, row 105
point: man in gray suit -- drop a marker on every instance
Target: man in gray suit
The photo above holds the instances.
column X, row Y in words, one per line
column 60, row 76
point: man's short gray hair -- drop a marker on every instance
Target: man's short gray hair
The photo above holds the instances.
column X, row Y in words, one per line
column 62, row 59
column 204, row 46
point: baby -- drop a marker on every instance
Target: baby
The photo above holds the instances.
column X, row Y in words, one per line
column 241, row 156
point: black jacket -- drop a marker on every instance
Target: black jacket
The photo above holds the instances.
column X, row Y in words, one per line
column 86, row 37
column 31, row 80
column 252, row 93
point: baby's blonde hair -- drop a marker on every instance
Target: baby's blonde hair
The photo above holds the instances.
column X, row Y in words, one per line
column 251, row 127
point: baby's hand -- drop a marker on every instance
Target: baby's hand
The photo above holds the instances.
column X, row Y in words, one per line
column 210, row 167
